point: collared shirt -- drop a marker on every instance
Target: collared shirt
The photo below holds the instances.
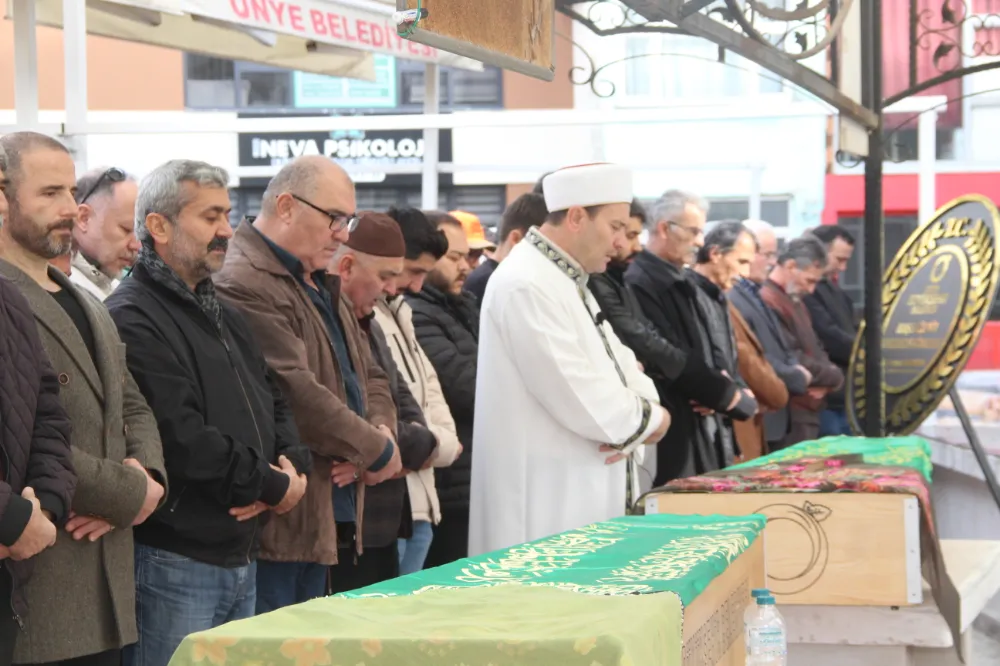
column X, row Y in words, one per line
column 88, row 277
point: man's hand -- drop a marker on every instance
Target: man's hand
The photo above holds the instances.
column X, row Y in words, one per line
column 38, row 534
column 701, row 409
column 244, row 513
column 344, row 474
column 90, row 527
column 154, row 492
column 817, row 392
column 805, row 373
column 296, row 487
column 4, row 552
column 616, row 455
column 391, row 469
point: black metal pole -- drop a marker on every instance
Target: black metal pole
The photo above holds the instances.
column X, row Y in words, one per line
column 871, row 63
column 977, row 446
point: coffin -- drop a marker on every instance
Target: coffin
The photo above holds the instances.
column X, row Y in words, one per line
column 664, row 590
column 853, row 539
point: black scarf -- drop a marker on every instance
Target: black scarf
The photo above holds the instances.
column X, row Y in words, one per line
column 203, row 297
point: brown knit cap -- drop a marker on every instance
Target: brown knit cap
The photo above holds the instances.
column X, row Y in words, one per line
column 377, row 234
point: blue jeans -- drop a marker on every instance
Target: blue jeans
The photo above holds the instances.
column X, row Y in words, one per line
column 413, row 551
column 177, row 596
column 834, row 422
column 281, row 584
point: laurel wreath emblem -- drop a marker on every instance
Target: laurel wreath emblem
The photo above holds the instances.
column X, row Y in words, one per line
column 980, row 250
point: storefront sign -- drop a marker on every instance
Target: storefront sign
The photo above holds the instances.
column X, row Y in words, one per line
column 936, row 297
column 364, row 154
column 315, row 91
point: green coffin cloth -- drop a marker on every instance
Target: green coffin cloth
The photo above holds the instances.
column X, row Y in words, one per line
column 576, row 598
column 628, row 555
column 913, row 452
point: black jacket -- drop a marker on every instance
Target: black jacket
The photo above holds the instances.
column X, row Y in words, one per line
column 222, row 419
column 832, row 316
column 661, row 360
column 667, row 299
column 34, row 435
column 476, row 283
column 447, row 329
column 385, row 516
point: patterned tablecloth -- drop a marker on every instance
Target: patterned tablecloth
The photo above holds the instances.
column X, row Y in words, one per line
column 582, row 597
column 911, row 452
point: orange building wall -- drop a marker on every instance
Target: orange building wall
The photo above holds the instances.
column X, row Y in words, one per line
column 122, row 76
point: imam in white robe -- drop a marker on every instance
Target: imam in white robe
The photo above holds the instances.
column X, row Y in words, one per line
column 548, row 395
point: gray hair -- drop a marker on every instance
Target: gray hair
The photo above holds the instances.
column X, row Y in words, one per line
column 162, row 191
column 96, row 177
column 722, row 237
column 299, row 176
column 805, row 251
column 3, row 159
column 671, row 205
column 758, row 226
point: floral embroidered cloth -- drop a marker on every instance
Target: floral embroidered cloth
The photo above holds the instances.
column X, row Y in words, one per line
column 582, row 597
column 912, row 452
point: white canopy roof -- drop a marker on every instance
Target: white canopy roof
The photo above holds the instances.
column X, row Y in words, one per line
column 332, row 37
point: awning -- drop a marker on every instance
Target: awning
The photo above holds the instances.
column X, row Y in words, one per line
column 319, row 36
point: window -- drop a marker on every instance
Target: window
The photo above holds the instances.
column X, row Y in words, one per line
column 902, row 144
column 772, row 210
column 669, row 66
column 215, row 83
column 897, row 229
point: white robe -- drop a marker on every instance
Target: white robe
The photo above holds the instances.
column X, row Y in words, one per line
column 547, row 396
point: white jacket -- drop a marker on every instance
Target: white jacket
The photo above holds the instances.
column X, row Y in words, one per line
column 86, row 276
column 396, row 320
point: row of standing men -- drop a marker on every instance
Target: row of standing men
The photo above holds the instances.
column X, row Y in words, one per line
column 278, row 371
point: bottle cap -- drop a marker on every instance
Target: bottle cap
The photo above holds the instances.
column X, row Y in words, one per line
column 766, row 600
column 760, row 592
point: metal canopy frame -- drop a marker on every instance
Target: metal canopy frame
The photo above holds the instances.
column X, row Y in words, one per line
column 778, row 38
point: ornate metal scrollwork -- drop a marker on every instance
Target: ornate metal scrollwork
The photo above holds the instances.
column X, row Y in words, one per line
column 941, row 31
column 801, row 32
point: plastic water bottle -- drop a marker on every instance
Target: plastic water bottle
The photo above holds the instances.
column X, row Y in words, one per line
column 751, row 608
column 766, row 640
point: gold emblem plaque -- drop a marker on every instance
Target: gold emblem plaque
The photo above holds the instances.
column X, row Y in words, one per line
column 936, row 297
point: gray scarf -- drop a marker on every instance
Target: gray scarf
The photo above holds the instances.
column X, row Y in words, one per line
column 203, row 296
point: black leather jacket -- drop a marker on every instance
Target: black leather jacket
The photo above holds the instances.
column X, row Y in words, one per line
column 661, row 360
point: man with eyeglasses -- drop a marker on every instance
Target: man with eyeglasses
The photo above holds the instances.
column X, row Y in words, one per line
column 104, row 242
column 275, row 273
column 762, row 321
column 702, row 397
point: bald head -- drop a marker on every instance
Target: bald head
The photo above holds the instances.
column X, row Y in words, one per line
column 307, row 209
column 767, row 249
column 304, row 177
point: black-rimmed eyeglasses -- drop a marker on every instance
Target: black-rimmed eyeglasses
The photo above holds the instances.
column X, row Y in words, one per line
column 114, row 175
column 338, row 220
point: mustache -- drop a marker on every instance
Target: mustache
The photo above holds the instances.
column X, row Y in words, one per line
column 63, row 224
column 218, row 243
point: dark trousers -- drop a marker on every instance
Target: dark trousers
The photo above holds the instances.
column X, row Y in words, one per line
column 8, row 627
column 109, row 658
column 451, row 538
column 281, row 584
column 353, row 571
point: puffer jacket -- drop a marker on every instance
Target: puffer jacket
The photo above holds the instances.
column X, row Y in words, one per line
column 34, row 436
column 447, row 328
column 396, row 320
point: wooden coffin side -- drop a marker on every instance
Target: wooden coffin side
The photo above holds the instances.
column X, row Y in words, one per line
column 841, row 549
column 713, row 622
